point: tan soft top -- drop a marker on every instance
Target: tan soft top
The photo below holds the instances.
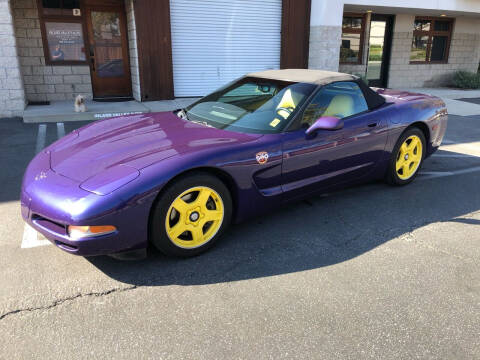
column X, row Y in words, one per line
column 319, row 77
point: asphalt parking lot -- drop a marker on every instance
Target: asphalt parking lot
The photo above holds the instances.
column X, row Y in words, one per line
column 369, row 272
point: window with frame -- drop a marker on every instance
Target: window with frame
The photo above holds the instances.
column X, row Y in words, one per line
column 353, row 29
column 431, row 40
column 63, row 32
column 339, row 99
column 59, row 7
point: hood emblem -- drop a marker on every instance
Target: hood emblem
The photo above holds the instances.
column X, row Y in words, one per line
column 262, row 157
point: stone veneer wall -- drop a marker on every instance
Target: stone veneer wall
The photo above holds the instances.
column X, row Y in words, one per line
column 12, row 95
column 43, row 82
column 324, row 47
column 464, row 55
column 132, row 46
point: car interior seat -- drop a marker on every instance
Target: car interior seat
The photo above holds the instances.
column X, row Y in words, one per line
column 341, row 106
column 290, row 100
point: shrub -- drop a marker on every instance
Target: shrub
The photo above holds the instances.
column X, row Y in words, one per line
column 375, row 57
column 466, row 80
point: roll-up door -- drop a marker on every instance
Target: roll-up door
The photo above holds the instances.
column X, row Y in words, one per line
column 216, row 41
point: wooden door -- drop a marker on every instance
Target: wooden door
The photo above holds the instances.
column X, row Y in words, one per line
column 295, row 34
column 154, row 45
column 108, row 52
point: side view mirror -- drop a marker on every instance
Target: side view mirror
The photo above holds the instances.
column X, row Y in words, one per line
column 325, row 123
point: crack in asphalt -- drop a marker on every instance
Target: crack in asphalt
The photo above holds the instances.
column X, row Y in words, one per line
column 70, row 298
column 408, row 235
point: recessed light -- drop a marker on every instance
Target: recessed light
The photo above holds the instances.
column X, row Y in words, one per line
column 443, row 15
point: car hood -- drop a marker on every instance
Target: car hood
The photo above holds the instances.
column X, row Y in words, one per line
column 133, row 142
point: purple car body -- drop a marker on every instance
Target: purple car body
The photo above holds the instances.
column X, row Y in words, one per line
column 111, row 171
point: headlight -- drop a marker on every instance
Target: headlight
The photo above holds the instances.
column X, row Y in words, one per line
column 78, row 232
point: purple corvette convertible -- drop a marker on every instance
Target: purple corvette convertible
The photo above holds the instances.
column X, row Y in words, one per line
column 178, row 179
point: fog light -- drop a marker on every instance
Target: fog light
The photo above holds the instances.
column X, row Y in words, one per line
column 78, row 232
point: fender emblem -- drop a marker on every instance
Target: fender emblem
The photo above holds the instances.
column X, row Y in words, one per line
column 262, row 157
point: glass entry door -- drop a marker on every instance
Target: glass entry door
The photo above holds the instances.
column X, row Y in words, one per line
column 379, row 47
column 108, row 52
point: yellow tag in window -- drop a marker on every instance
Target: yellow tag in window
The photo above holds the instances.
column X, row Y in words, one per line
column 275, row 122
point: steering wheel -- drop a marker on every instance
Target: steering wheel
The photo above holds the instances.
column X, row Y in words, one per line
column 289, row 110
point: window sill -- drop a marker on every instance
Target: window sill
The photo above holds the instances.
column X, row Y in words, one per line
column 427, row 62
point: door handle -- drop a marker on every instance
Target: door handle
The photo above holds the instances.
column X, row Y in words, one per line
column 372, row 125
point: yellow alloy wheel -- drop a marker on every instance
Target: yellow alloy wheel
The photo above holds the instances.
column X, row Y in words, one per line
column 194, row 217
column 409, row 157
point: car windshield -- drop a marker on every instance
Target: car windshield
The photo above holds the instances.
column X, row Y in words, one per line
column 250, row 105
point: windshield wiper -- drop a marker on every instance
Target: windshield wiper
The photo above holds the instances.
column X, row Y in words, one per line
column 201, row 123
column 182, row 113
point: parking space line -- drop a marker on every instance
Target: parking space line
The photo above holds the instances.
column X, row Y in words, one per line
column 454, row 155
column 60, row 130
column 41, row 137
column 435, row 174
column 31, row 238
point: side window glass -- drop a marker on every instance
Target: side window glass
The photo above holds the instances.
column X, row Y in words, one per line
column 340, row 100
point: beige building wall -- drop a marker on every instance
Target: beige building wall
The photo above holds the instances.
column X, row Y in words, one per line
column 12, row 94
column 46, row 83
column 464, row 54
column 324, row 48
column 43, row 82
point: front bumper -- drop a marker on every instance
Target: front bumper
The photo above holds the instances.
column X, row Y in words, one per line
column 57, row 235
column 50, row 202
column 116, row 242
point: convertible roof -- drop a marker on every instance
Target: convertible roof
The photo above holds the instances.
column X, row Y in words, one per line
column 319, row 77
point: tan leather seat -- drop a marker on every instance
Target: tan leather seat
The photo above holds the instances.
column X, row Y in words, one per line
column 341, row 106
column 290, row 100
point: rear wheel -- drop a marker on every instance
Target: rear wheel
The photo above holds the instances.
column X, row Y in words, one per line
column 191, row 215
column 407, row 157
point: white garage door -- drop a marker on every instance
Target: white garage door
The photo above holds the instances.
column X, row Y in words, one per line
column 216, row 41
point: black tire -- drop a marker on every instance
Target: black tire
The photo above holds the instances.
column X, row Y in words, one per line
column 158, row 232
column 392, row 177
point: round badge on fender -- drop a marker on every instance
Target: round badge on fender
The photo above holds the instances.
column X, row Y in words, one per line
column 262, row 157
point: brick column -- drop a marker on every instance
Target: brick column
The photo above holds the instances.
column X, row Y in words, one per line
column 12, row 93
column 325, row 34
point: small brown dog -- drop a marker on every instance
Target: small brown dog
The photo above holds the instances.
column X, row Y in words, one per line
column 80, row 104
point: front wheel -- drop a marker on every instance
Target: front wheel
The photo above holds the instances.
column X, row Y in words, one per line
column 191, row 215
column 407, row 157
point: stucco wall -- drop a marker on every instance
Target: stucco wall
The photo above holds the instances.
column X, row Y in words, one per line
column 12, row 95
column 43, row 82
column 464, row 55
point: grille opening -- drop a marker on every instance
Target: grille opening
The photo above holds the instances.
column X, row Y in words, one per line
column 49, row 224
column 66, row 247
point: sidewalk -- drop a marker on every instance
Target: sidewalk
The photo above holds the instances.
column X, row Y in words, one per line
column 451, row 98
column 60, row 111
